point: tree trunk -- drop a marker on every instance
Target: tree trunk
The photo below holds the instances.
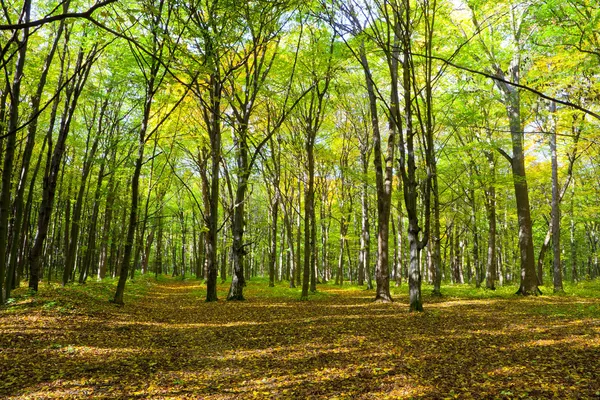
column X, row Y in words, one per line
column 75, row 224
column 475, row 249
column 18, row 232
column 9, row 152
column 557, row 275
column 365, row 236
column 273, row 232
column 212, row 207
column 297, row 262
column 436, row 240
column 91, row 242
column 106, row 229
column 309, row 205
column 238, row 282
column 49, row 185
column 133, row 211
column 491, row 248
column 574, row 275
column 292, row 265
column 313, row 254
column 384, row 188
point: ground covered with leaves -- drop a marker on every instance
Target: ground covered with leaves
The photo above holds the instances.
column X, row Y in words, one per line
column 167, row 343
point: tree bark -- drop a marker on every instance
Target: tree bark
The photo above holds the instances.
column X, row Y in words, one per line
column 91, row 240
column 9, row 152
column 18, row 232
column 49, row 185
column 383, row 185
column 75, row 223
column 556, row 263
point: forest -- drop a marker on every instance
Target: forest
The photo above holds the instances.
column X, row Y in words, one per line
column 432, row 161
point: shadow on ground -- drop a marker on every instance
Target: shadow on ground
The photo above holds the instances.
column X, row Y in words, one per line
column 170, row 344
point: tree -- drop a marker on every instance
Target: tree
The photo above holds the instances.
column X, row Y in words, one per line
column 159, row 27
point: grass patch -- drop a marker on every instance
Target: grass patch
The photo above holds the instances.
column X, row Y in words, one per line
column 91, row 296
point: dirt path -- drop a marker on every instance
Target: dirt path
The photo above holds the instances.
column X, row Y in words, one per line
column 170, row 344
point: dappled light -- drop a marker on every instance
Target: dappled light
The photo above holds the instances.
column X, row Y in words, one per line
column 168, row 343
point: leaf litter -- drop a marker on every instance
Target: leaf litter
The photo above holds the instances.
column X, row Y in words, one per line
column 167, row 343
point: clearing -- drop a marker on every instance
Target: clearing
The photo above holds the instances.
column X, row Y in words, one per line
column 167, row 343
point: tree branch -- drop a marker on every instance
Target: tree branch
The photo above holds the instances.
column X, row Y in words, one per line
column 86, row 14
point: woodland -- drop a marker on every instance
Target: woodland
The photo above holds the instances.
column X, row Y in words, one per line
column 397, row 198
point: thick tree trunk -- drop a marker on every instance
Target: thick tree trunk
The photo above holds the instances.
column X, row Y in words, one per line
column 529, row 285
column 238, row 250
column 512, row 102
column 238, row 281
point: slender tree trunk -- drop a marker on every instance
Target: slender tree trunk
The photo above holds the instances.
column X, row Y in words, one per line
column 91, row 242
column 309, row 205
column 212, row 206
column 183, row 243
column 107, row 227
column 436, row 240
column 9, row 152
column 384, row 188
column 557, row 275
column 18, row 232
column 77, row 209
column 574, row 275
column 158, row 261
column 475, row 249
column 49, row 185
column 292, row 265
column 408, row 166
column 313, row 254
column 133, row 211
column 297, row 262
column 339, row 276
column 273, row 231
column 491, row 248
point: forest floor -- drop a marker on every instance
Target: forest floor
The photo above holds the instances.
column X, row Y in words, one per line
column 167, row 343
